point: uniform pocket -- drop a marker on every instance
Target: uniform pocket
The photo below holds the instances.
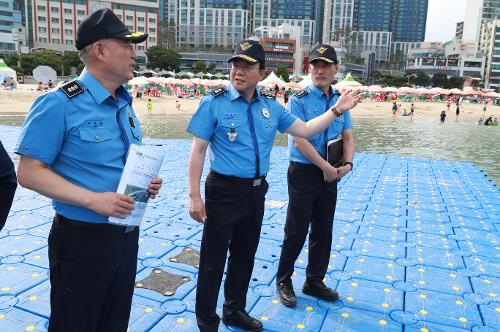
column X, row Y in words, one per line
column 95, row 135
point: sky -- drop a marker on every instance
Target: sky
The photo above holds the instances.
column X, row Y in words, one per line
column 442, row 18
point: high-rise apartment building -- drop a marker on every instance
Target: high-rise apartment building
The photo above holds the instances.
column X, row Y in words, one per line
column 338, row 19
column 211, row 23
column 459, row 30
column 12, row 34
column 490, row 46
column 10, row 15
column 301, row 13
column 52, row 24
column 477, row 13
column 385, row 27
column 408, row 20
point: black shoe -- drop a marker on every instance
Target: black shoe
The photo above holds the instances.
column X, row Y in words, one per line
column 319, row 290
column 243, row 320
column 286, row 293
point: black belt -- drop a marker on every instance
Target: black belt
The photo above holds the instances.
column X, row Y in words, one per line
column 296, row 163
column 108, row 228
column 243, row 181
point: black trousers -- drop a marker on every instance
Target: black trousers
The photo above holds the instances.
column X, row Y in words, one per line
column 8, row 184
column 234, row 219
column 92, row 276
column 311, row 201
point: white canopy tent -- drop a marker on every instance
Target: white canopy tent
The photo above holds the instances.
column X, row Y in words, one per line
column 272, row 80
column 5, row 71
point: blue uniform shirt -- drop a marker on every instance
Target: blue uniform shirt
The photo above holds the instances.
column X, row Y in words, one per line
column 80, row 139
column 218, row 118
column 310, row 106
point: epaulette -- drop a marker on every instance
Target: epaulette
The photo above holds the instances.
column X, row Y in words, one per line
column 218, row 91
column 72, row 88
column 301, row 94
column 267, row 95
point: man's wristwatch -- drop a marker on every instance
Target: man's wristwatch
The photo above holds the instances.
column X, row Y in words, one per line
column 349, row 163
column 336, row 112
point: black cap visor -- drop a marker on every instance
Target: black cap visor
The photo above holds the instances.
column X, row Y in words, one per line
column 322, row 59
column 133, row 37
column 244, row 57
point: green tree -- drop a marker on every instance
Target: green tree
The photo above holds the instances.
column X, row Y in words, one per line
column 159, row 57
column 376, row 77
column 200, row 66
column 71, row 63
column 422, row 79
column 283, row 72
column 440, row 80
column 455, row 82
column 211, row 67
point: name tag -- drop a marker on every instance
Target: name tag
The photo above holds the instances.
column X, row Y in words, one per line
column 231, row 116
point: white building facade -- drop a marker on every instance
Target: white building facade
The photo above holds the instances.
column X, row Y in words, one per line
column 53, row 24
column 490, row 46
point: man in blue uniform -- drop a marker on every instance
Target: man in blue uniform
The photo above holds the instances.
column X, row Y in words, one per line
column 73, row 148
column 312, row 181
column 8, row 184
column 239, row 124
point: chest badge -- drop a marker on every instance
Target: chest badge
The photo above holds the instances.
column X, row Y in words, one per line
column 265, row 113
column 232, row 134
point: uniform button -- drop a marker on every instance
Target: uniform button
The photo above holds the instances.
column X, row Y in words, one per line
column 97, row 137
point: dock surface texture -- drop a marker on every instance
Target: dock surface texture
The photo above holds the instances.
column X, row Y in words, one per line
column 416, row 248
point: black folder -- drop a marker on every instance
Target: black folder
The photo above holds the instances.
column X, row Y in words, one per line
column 335, row 152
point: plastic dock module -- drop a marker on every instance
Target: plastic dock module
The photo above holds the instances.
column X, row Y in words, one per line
column 415, row 248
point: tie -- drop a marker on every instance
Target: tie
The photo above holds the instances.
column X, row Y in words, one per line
column 254, row 140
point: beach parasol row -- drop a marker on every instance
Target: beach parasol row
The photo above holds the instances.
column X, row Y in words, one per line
column 348, row 84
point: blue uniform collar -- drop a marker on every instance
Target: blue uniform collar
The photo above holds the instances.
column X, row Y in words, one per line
column 317, row 92
column 98, row 92
column 235, row 94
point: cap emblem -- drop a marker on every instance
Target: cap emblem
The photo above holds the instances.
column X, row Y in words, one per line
column 134, row 34
column 321, row 50
column 245, row 46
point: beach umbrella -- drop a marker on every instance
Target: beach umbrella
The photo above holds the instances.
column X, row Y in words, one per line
column 44, row 74
column 439, row 91
column 469, row 91
column 390, row 89
column 140, row 80
column 406, row 90
column 296, row 78
column 422, row 91
column 219, row 75
column 491, row 94
column 374, row 88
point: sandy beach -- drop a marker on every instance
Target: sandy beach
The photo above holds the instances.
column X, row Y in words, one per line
column 19, row 101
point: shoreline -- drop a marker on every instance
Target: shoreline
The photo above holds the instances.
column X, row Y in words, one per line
column 18, row 102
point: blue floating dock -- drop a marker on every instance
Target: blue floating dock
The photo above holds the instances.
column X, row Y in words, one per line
column 416, row 248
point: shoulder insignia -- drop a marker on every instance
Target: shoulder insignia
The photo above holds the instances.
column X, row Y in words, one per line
column 218, row 91
column 72, row 88
column 301, row 94
column 267, row 95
